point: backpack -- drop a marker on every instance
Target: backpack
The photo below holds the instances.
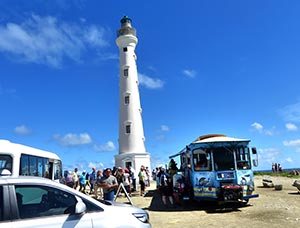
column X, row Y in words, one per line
column 163, row 180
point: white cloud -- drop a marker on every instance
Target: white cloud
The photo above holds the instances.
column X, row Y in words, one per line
column 269, row 132
column 164, row 128
column 291, row 127
column 98, row 165
column 267, row 156
column 291, row 112
column 73, row 139
column 160, row 137
column 108, row 146
column 292, row 142
column 189, row 73
column 149, row 82
column 289, row 159
column 260, row 128
column 22, row 130
column 94, row 36
column 257, row 126
column 46, row 40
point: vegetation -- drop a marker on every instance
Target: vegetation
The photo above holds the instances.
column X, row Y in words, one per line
column 278, row 174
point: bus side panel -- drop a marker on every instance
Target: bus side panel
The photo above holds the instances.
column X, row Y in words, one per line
column 204, row 185
column 245, row 178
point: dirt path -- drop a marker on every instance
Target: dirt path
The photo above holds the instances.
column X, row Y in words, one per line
column 272, row 209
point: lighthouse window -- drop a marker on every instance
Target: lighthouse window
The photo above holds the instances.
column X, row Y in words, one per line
column 128, row 129
column 126, row 100
column 125, row 49
column 126, row 72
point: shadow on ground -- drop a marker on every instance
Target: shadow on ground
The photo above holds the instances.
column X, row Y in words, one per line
column 208, row 207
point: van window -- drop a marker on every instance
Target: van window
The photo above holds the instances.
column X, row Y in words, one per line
column 5, row 163
column 1, row 203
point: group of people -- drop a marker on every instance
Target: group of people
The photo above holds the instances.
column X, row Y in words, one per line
column 164, row 183
column 276, row 167
column 103, row 184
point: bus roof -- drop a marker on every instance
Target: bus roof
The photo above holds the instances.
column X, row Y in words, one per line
column 217, row 138
column 212, row 138
column 15, row 148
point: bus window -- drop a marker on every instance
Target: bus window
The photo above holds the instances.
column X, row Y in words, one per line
column 201, row 160
column 5, row 163
column 33, row 166
column 223, row 159
column 46, row 168
column 38, row 166
column 243, row 158
column 57, row 169
column 24, row 165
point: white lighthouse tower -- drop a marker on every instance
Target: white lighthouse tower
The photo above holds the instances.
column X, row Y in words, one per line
column 132, row 150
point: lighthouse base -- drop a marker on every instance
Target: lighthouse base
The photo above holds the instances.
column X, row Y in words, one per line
column 134, row 160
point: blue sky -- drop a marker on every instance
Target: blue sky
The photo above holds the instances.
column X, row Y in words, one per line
column 228, row 67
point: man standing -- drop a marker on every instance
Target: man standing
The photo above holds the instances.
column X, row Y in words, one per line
column 82, row 182
column 75, row 178
column 108, row 182
column 93, row 178
column 133, row 178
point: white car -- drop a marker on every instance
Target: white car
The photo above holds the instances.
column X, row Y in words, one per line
column 39, row 202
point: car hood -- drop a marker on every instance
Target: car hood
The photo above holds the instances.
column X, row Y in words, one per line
column 122, row 206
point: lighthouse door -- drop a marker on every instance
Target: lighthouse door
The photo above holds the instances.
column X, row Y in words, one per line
column 128, row 164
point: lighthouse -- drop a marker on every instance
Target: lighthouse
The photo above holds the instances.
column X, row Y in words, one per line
column 132, row 151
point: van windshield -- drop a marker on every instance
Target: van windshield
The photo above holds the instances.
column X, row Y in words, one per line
column 5, row 163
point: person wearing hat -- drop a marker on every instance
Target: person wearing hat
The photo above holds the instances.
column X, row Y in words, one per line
column 109, row 183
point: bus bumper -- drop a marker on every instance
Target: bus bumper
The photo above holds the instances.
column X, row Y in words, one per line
column 250, row 196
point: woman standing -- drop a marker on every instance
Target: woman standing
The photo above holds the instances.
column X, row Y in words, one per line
column 96, row 186
column 142, row 178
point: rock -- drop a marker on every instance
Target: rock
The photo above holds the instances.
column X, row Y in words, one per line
column 278, row 187
column 295, row 172
column 268, row 183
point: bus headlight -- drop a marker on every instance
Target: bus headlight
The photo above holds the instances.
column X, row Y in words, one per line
column 251, row 186
column 243, row 181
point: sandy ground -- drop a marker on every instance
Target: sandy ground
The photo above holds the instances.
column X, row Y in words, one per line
column 273, row 208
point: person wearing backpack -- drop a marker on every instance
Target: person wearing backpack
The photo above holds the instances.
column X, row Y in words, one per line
column 165, row 187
